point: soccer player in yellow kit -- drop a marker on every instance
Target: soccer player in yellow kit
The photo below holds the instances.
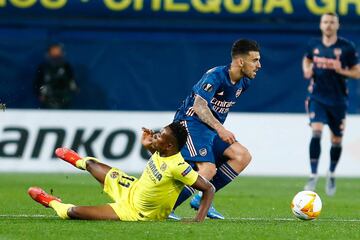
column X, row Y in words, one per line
column 151, row 197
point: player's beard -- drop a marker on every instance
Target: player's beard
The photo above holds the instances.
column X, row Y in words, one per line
column 246, row 74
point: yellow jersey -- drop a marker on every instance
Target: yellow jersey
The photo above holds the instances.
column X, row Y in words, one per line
column 155, row 193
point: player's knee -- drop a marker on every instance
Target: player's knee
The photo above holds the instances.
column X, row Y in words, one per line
column 316, row 133
column 90, row 164
column 242, row 155
column 245, row 156
column 73, row 213
column 207, row 170
column 336, row 141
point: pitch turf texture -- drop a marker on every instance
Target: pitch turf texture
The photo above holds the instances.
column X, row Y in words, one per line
column 254, row 207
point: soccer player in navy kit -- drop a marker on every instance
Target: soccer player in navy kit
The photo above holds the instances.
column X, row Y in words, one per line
column 210, row 148
column 328, row 62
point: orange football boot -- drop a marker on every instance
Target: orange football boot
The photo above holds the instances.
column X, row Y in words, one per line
column 67, row 155
column 41, row 196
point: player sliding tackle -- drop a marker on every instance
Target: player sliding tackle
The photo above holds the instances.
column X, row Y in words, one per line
column 151, row 197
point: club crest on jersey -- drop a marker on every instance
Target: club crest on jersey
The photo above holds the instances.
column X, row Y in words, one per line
column 114, row 174
column 207, row 87
column 163, row 167
column 203, row 152
column 238, row 92
column 337, row 52
column 316, row 51
column 186, row 171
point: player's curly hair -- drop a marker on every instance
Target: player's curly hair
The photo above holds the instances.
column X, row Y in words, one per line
column 244, row 46
column 180, row 133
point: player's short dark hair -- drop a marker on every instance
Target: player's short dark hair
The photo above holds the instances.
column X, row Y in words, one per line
column 244, row 46
column 180, row 133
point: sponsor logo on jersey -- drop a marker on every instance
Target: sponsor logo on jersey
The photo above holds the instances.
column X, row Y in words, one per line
column 155, row 172
column 325, row 63
column 186, row 171
column 221, row 106
column 238, row 92
column 220, row 93
column 203, row 152
column 207, row 87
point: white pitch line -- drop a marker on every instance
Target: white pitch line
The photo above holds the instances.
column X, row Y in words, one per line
column 293, row 219
column 231, row 219
column 26, row 216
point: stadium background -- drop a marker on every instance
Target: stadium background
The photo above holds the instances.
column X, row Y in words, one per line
column 140, row 59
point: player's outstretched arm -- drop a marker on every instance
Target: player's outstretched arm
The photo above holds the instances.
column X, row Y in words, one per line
column 146, row 139
column 204, row 113
column 208, row 191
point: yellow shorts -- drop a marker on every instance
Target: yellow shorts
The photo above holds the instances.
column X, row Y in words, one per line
column 118, row 186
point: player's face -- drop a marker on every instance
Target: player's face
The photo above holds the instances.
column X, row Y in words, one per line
column 250, row 64
column 161, row 140
column 329, row 25
column 55, row 52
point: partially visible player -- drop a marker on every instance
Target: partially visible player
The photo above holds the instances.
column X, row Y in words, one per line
column 151, row 197
column 328, row 62
column 210, row 147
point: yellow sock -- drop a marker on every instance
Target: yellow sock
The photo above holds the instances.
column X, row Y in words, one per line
column 81, row 163
column 61, row 209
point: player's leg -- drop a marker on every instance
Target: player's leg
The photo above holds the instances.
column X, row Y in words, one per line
column 103, row 212
column 97, row 169
column 314, row 153
column 337, row 127
column 318, row 117
column 69, row 211
column 233, row 160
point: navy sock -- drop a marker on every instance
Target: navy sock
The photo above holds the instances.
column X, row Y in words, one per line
column 335, row 152
column 315, row 150
column 185, row 194
column 224, row 175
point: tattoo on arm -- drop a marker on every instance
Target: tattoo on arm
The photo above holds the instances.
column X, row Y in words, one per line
column 204, row 113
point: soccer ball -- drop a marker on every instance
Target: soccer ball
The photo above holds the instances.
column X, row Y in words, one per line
column 306, row 205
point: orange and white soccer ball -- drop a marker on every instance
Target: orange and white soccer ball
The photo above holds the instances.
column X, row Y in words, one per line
column 306, row 205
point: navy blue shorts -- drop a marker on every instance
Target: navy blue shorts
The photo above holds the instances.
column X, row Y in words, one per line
column 203, row 144
column 333, row 116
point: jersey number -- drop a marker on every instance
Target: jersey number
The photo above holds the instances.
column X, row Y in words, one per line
column 126, row 183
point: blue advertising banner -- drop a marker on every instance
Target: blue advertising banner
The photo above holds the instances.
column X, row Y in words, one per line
column 146, row 55
column 349, row 10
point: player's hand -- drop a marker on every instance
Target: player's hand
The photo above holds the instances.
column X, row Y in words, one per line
column 308, row 73
column 146, row 138
column 337, row 66
column 226, row 135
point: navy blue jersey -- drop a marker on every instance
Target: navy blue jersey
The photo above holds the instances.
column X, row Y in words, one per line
column 329, row 87
column 216, row 88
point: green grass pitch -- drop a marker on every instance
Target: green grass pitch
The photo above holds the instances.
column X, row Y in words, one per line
column 254, row 207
